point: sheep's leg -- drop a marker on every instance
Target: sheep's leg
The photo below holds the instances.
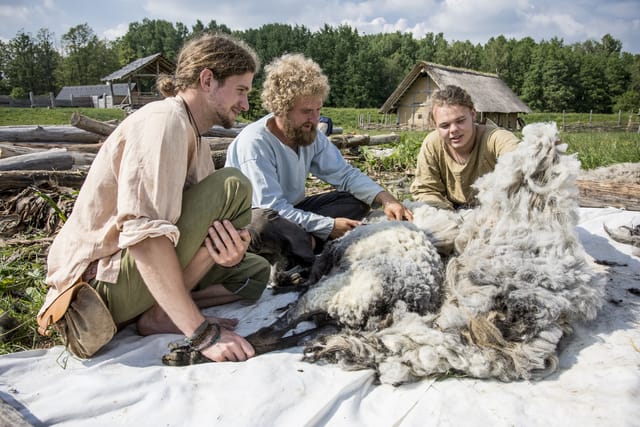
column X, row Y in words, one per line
column 271, row 338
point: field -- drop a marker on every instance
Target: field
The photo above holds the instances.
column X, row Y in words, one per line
column 23, row 255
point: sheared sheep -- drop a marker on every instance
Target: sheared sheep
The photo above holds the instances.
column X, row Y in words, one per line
column 358, row 279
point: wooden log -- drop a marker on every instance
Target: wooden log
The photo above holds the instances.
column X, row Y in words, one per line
column 96, row 126
column 222, row 132
column 346, row 141
column 17, row 180
column 219, row 157
column 83, row 148
column 80, row 157
column 10, row 150
column 56, row 159
column 47, row 134
column 599, row 194
column 218, row 143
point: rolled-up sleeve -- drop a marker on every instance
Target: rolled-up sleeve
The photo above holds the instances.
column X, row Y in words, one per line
column 151, row 180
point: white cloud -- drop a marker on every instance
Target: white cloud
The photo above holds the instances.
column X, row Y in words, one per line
column 473, row 20
column 115, row 32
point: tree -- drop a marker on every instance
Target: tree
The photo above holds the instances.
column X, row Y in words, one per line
column 47, row 60
column 4, row 87
column 464, row 55
column 86, row 59
column 20, row 64
column 630, row 100
column 150, row 37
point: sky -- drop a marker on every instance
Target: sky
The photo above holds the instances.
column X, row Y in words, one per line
column 473, row 20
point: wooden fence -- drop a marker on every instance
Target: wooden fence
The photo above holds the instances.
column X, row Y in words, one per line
column 44, row 101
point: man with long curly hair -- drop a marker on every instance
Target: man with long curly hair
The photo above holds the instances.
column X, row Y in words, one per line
column 155, row 229
column 278, row 152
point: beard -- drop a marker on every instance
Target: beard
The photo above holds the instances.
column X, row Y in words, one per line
column 298, row 135
column 224, row 120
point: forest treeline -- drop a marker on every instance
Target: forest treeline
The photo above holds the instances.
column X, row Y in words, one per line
column 363, row 69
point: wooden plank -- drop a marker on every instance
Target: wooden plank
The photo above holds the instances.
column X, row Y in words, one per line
column 598, row 194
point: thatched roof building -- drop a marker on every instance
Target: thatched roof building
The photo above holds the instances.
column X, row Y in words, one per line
column 491, row 96
column 145, row 72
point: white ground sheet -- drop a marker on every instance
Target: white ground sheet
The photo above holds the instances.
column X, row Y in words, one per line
column 597, row 384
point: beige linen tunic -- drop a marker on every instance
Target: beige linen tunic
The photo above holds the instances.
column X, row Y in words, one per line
column 442, row 182
column 133, row 191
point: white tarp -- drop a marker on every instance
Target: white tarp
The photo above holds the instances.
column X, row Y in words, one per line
column 597, row 384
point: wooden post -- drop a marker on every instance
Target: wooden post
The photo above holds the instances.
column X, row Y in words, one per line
column 563, row 120
column 31, row 100
column 619, row 117
column 52, row 100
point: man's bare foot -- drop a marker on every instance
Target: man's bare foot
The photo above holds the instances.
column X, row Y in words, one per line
column 152, row 322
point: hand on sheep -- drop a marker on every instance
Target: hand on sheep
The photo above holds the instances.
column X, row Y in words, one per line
column 341, row 226
column 393, row 209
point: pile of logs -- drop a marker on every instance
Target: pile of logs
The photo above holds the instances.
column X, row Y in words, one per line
column 32, row 155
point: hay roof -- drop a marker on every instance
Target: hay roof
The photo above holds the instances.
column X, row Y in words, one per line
column 488, row 91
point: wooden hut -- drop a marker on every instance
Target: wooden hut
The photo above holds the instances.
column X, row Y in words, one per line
column 493, row 99
column 144, row 72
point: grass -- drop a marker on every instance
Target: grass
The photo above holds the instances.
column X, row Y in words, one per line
column 54, row 116
column 22, row 292
column 22, row 265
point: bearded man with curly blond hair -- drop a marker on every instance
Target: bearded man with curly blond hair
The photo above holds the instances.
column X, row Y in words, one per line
column 279, row 151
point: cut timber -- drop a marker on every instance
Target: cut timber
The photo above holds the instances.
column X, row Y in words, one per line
column 10, row 150
column 40, row 146
column 102, row 128
column 27, row 158
column 217, row 143
column 16, row 180
column 346, row 141
column 47, row 134
column 599, row 194
column 56, row 159
column 96, row 126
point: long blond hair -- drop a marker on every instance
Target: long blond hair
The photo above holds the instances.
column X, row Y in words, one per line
column 224, row 55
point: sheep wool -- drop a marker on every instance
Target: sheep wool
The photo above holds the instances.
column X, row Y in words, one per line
column 517, row 280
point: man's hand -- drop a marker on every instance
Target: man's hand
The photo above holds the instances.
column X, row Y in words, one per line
column 341, row 226
column 227, row 245
column 392, row 208
column 231, row 347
